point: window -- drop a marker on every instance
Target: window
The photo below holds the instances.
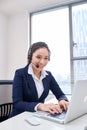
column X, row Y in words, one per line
column 53, row 27
column 79, row 23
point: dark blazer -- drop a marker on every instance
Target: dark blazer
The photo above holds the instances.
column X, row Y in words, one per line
column 25, row 96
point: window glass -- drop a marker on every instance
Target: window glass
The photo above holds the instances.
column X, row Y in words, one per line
column 52, row 27
column 79, row 20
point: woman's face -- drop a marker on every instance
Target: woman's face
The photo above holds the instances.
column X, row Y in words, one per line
column 40, row 57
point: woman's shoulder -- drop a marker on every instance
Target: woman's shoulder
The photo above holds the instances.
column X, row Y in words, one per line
column 22, row 69
column 48, row 72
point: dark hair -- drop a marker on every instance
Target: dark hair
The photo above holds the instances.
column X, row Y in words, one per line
column 36, row 46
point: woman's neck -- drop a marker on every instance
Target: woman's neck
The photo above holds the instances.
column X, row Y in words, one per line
column 37, row 73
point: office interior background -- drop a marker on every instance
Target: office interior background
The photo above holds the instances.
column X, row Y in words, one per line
column 62, row 24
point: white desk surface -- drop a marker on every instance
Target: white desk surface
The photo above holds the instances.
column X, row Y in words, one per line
column 18, row 123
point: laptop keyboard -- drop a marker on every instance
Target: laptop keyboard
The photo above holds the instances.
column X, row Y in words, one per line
column 58, row 116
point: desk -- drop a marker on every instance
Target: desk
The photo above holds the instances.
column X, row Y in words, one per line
column 18, row 123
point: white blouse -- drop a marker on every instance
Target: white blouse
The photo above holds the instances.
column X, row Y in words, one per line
column 38, row 82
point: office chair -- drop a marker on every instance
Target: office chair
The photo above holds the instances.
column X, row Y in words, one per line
column 5, row 110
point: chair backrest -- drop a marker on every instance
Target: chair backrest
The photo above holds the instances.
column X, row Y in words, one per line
column 5, row 110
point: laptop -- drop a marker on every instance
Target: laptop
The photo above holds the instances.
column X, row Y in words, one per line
column 77, row 105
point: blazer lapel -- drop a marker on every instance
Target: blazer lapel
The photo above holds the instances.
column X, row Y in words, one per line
column 46, row 89
column 31, row 84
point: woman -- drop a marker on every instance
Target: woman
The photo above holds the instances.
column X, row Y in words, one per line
column 32, row 83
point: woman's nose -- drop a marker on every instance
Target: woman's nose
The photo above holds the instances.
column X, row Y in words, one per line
column 42, row 61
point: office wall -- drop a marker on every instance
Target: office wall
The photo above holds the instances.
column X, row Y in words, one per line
column 3, row 44
column 17, row 42
column 13, row 49
column 13, row 43
column 5, row 93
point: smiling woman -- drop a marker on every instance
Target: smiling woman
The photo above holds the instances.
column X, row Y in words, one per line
column 31, row 84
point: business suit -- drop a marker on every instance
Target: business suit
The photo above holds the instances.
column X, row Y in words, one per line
column 25, row 96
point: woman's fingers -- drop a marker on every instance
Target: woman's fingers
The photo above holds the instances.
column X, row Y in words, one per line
column 64, row 104
column 53, row 108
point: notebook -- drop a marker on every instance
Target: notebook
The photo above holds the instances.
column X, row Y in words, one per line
column 77, row 105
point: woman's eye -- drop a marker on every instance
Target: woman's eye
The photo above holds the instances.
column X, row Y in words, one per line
column 46, row 58
column 38, row 57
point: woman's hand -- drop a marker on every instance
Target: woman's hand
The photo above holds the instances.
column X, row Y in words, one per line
column 51, row 108
column 63, row 104
column 54, row 108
